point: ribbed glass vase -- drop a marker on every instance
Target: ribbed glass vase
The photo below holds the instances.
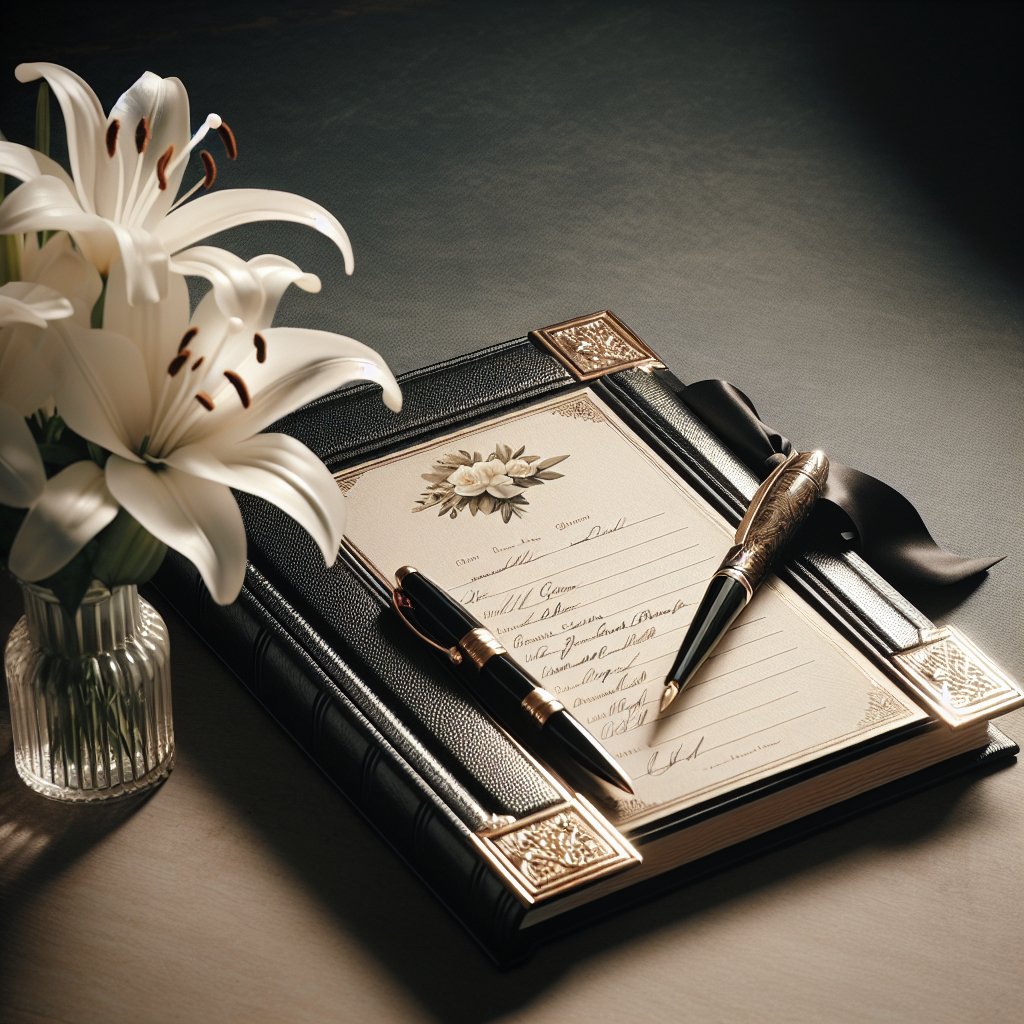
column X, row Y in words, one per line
column 90, row 694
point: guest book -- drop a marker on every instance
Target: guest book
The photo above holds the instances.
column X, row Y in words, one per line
column 558, row 488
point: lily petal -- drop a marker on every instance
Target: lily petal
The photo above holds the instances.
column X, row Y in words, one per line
column 23, row 302
column 28, row 164
column 59, row 265
column 236, row 287
column 73, row 507
column 281, row 470
column 103, row 393
column 301, row 365
column 156, row 328
column 84, row 123
column 219, row 211
column 145, row 263
column 46, row 204
column 22, row 476
column 276, row 274
column 27, row 377
column 197, row 517
column 163, row 103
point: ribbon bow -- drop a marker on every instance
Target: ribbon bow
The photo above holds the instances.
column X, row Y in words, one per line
column 874, row 518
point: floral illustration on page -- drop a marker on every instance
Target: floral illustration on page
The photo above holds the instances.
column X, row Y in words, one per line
column 462, row 480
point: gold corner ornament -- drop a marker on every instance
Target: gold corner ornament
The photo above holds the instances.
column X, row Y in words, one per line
column 955, row 680
column 555, row 850
column 594, row 345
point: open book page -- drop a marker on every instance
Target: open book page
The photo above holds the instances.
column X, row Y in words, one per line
column 586, row 556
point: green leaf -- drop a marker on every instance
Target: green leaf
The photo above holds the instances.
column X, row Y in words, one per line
column 526, row 481
column 520, row 452
column 126, row 552
column 97, row 454
column 506, row 512
column 486, row 503
column 54, row 428
column 547, row 475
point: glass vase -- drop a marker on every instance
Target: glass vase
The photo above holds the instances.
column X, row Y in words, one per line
column 90, row 694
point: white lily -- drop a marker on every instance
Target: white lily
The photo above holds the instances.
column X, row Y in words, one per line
column 180, row 404
column 126, row 170
column 26, row 381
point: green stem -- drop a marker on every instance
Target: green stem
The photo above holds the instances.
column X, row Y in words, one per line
column 43, row 119
column 43, row 137
column 96, row 319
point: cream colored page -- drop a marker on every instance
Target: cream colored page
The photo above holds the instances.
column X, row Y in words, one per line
column 589, row 576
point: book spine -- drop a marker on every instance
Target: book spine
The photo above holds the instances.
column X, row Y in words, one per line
column 354, row 753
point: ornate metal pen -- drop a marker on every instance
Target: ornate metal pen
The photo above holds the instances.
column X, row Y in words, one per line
column 780, row 506
column 509, row 690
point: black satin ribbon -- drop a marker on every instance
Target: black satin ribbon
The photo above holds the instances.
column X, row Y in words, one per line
column 870, row 516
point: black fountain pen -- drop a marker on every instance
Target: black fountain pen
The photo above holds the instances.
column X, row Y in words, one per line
column 507, row 691
column 780, row 506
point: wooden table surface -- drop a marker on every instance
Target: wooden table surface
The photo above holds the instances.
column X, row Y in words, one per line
column 818, row 207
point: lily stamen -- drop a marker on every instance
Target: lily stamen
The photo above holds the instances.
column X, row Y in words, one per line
column 139, row 215
column 113, row 129
column 205, row 401
column 142, row 135
column 187, row 337
column 261, row 348
column 239, row 385
column 210, row 167
column 161, row 167
column 227, row 136
column 178, row 362
column 198, row 363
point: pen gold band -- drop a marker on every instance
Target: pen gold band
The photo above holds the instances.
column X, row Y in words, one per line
column 739, row 577
column 541, row 705
column 480, row 646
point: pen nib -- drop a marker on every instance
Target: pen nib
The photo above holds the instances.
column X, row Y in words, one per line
column 668, row 695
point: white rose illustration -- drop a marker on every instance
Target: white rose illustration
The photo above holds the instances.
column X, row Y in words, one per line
column 470, row 481
column 520, row 467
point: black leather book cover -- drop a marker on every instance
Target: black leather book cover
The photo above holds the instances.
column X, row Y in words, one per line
column 321, row 649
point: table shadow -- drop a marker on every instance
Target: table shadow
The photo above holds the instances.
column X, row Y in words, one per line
column 40, row 838
column 353, row 874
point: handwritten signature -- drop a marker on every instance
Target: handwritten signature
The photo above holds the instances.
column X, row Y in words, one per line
column 675, row 757
column 599, row 531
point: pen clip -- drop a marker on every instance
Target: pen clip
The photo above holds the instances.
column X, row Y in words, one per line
column 400, row 600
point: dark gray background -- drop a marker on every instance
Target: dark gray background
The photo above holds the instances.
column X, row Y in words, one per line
column 820, row 204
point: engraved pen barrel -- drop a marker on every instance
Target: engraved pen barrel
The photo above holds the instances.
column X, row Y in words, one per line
column 770, row 523
column 779, row 508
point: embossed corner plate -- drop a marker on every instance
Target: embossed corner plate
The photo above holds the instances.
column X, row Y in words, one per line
column 555, row 850
column 955, row 680
column 591, row 346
